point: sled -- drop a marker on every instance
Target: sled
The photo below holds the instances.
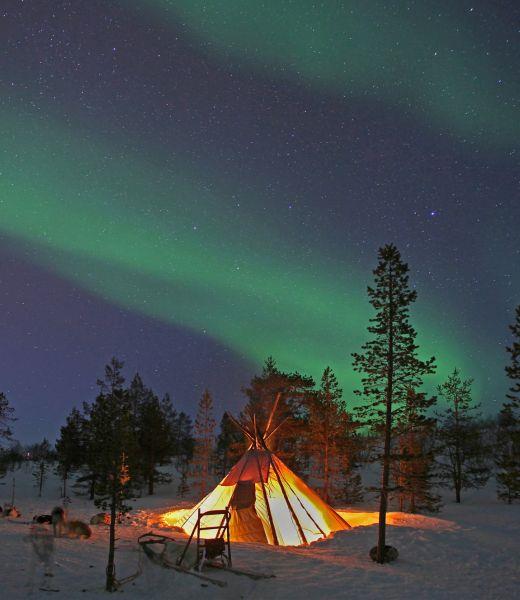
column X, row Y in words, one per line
column 147, row 540
column 250, row 574
column 150, row 540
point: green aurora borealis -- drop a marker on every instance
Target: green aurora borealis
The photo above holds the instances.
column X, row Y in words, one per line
column 398, row 52
column 225, row 172
column 104, row 224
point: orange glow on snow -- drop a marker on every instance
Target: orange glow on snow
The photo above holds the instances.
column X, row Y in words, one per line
column 170, row 519
column 176, row 518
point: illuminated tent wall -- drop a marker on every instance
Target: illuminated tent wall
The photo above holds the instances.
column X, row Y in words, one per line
column 268, row 502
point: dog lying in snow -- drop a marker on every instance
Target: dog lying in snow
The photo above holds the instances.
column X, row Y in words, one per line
column 100, row 519
column 77, row 529
column 71, row 529
column 10, row 511
column 41, row 519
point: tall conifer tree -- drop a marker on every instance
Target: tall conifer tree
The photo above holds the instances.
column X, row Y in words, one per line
column 154, row 432
column 42, row 456
column 389, row 363
column 204, row 442
column 6, row 417
column 292, row 391
column 508, row 436
column 70, row 450
column 230, row 445
column 327, row 436
column 115, row 446
column 462, row 446
column 414, row 468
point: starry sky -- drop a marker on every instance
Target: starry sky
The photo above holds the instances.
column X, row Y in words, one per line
column 194, row 185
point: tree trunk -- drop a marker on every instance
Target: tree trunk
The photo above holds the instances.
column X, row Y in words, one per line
column 40, row 482
column 64, row 485
column 92, row 487
column 326, row 470
column 383, row 505
column 150, row 484
column 458, row 459
column 111, row 568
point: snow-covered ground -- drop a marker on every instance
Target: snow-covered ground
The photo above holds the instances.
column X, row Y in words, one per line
column 466, row 551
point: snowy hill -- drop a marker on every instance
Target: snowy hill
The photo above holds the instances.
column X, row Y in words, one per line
column 467, row 551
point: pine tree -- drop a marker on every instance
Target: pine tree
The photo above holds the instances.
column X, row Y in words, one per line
column 414, row 469
column 204, row 440
column 11, row 459
column 184, row 443
column 90, row 449
column 292, row 390
column 70, row 451
column 389, row 363
column 6, row 417
column 41, row 455
column 115, row 448
column 326, row 433
column 229, row 447
column 464, row 453
column 507, row 457
column 351, row 491
column 154, row 437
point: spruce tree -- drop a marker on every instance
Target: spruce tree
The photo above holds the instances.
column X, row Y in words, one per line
column 90, row 448
column 184, row 443
column 229, row 447
column 204, row 441
column 463, row 451
column 6, row 417
column 414, row 468
column 292, row 391
column 352, row 488
column 326, row 435
column 113, row 439
column 41, row 455
column 70, row 451
column 389, row 363
column 154, row 437
column 351, row 491
column 507, row 455
column 507, row 458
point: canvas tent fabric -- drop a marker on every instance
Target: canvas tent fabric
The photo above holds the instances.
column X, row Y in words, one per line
column 268, row 503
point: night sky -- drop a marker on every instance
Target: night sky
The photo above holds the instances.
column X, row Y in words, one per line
column 194, row 185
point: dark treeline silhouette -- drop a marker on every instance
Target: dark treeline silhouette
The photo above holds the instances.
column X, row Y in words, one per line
column 117, row 443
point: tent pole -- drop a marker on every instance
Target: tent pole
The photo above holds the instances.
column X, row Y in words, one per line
column 280, row 483
column 266, row 437
column 273, row 410
column 241, row 427
column 303, row 506
column 266, row 500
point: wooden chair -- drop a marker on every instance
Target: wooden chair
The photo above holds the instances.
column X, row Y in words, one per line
column 214, row 548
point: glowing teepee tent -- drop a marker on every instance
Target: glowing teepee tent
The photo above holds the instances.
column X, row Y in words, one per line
column 267, row 501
